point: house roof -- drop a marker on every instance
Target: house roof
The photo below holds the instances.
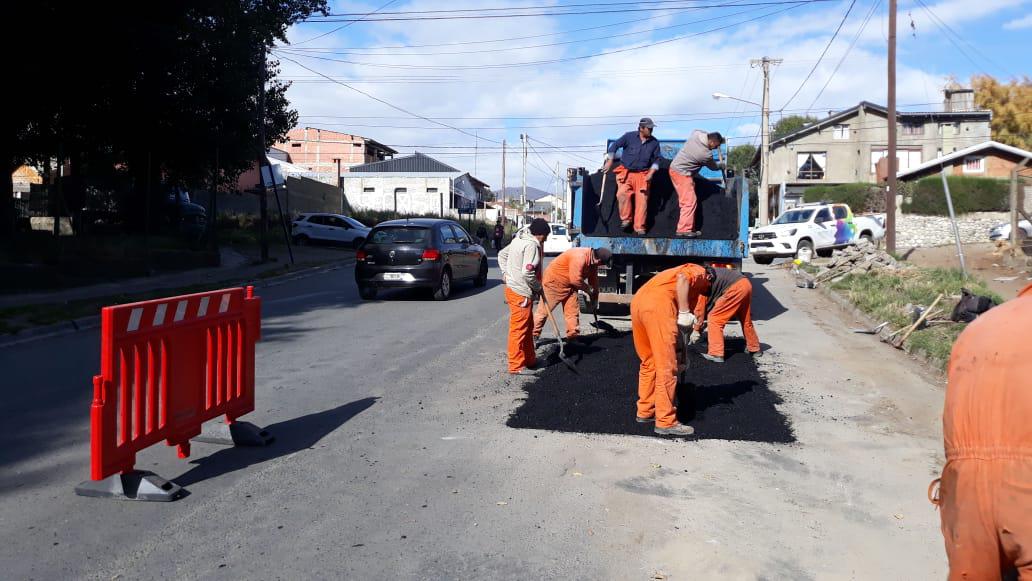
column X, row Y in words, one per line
column 934, row 165
column 416, row 162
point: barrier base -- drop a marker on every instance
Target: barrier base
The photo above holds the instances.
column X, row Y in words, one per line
column 135, row 485
column 235, row 434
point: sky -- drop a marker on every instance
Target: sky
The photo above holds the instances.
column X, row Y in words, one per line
column 455, row 88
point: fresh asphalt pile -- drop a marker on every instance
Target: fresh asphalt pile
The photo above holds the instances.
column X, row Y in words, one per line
column 729, row 401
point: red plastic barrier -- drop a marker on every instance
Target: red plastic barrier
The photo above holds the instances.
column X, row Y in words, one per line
column 166, row 367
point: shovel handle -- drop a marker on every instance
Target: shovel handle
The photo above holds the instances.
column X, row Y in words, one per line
column 555, row 325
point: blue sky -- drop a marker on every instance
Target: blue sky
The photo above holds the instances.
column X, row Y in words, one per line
column 661, row 63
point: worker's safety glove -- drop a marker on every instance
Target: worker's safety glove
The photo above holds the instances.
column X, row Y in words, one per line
column 695, row 337
column 685, row 320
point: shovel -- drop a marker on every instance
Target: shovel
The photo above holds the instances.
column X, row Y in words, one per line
column 559, row 337
column 600, row 325
column 602, row 192
column 872, row 331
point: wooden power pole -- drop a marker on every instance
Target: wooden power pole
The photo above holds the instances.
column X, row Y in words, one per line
column 892, row 165
column 763, row 196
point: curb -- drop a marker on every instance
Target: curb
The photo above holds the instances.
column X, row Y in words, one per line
column 93, row 321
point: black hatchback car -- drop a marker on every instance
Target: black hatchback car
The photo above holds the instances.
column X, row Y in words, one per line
column 419, row 253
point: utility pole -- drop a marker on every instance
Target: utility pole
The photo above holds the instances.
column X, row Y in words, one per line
column 890, row 192
column 503, row 183
column 763, row 216
column 523, row 196
column 263, row 202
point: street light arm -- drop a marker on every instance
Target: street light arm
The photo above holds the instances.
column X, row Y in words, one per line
column 719, row 96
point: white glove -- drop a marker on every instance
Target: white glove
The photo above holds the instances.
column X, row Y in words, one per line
column 685, row 319
column 696, row 336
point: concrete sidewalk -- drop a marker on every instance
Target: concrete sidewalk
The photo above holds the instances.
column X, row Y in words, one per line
column 236, row 265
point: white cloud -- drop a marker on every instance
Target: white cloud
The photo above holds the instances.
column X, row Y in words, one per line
column 1019, row 23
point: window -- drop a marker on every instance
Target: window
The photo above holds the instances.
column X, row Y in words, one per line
column 460, row 234
column 338, row 222
column 811, row 165
column 369, row 190
column 321, row 220
column 907, row 158
column 431, row 190
column 840, row 212
column 949, row 129
column 974, row 164
column 295, row 145
column 558, row 230
column 399, row 235
column 840, row 132
column 448, row 235
column 823, row 215
column 913, row 129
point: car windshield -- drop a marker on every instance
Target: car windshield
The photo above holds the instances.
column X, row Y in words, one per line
column 354, row 223
column 794, row 217
column 399, row 235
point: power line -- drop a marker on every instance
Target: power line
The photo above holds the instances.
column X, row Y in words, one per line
column 859, row 32
column 948, row 30
column 824, row 52
column 339, row 28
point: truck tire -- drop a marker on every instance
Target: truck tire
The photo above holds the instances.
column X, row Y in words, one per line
column 825, row 252
column 763, row 259
column 804, row 251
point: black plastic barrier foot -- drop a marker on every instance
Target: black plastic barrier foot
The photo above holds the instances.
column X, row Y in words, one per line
column 235, row 434
column 135, row 485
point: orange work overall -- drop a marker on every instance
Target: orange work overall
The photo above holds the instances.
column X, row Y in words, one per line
column 632, row 196
column 521, row 326
column 563, row 278
column 686, row 200
column 985, row 492
column 735, row 303
column 654, row 328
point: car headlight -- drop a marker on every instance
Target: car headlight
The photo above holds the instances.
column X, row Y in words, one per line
column 787, row 232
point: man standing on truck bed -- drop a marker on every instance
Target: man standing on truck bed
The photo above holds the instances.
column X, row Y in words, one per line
column 729, row 297
column 640, row 160
column 661, row 310
column 572, row 271
column 696, row 154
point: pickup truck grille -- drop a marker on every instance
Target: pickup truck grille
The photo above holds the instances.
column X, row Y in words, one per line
column 763, row 236
column 761, row 245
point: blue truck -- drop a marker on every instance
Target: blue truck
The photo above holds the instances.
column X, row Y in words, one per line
column 723, row 213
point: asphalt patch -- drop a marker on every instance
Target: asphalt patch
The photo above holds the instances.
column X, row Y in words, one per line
column 728, row 401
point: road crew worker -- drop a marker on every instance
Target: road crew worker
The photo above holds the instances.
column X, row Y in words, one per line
column 572, row 271
column 639, row 162
column 985, row 492
column 730, row 297
column 659, row 312
column 520, row 263
column 695, row 154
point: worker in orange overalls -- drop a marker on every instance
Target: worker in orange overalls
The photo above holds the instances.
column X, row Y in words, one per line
column 520, row 263
column 573, row 271
column 730, row 297
column 659, row 312
column 638, row 164
column 985, row 492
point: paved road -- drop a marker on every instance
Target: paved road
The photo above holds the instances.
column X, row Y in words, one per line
column 392, row 460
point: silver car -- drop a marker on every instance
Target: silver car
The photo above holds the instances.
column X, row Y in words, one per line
column 328, row 229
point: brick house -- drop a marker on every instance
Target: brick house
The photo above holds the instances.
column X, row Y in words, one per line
column 318, row 150
column 988, row 159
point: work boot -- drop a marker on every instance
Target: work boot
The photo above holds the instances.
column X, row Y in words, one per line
column 642, row 420
column 756, row 354
column 528, row 371
column 675, row 430
column 692, row 234
column 712, row 358
column 625, row 224
column 639, row 232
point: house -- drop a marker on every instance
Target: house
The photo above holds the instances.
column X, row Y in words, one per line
column 327, row 153
column 413, row 184
column 988, row 159
column 845, row 147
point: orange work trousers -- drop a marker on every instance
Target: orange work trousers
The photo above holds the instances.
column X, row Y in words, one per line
column 521, row 326
column 632, row 196
column 986, row 511
column 686, row 200
column 556, row 295
column 654, row 328
column 736, row 303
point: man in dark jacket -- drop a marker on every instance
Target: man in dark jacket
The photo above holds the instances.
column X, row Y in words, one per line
column 639, row 162
column 499, row 233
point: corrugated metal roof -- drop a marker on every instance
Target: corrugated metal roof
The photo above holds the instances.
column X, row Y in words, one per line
column 411, row 163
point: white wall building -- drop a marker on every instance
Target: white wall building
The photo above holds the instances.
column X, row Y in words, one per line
column 414, row 184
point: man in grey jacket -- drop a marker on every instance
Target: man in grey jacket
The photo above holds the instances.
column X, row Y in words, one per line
column 520, row 263
column 696, row 154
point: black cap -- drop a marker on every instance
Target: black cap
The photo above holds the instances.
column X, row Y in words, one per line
column 603, row 255
column 539, row 227
column 646, row 122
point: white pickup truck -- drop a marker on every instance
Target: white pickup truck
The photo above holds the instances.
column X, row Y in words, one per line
column 810, row 228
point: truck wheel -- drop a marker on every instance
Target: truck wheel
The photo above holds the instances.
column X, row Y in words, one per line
column 867, row 236
column 763, row 259
column 825, row 252
column 804, row 251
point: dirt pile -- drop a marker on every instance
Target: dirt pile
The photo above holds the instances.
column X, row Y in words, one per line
column 729, row 401
column 859, row 258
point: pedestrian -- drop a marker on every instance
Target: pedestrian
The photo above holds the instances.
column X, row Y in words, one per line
column 520, row 263
column 695, row 154
column 481, row 234
column 660, row 311
column 499, row 234
column 985, row 491
column 573, row 271
column 729, row 297
column 639, row 162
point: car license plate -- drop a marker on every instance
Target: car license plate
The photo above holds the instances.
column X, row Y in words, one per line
column 392, row 276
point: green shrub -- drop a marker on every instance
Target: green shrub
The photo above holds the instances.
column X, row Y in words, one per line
column 970, row 194
column 859, row 197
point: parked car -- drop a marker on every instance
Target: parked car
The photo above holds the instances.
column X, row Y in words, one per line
column 812, row 228
column 558, row 241
column 1003, row 231
column 419, row 253
column 328, row 228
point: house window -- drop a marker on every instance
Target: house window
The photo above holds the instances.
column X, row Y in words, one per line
column 974, row 164
column 949, row 129
column 906, row 158
column 369, row 190
column 295, row 145
column 913, row 129
column 840, row 132
column 431, row 190
column 811, row 166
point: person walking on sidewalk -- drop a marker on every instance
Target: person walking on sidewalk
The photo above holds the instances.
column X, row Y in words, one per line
column 482, row 235
column 520, row 263
column 985, row 491
column 695, row 154
column 573, row 271
column 730, row 297
column 639, row 162
column 660, row 311
column 499, row 234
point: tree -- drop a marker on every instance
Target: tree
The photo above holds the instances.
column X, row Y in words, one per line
column 790, row 124
column 740, row 157
column 1011, row 105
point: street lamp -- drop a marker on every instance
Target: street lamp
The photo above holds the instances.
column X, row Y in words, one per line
column 762, row 195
